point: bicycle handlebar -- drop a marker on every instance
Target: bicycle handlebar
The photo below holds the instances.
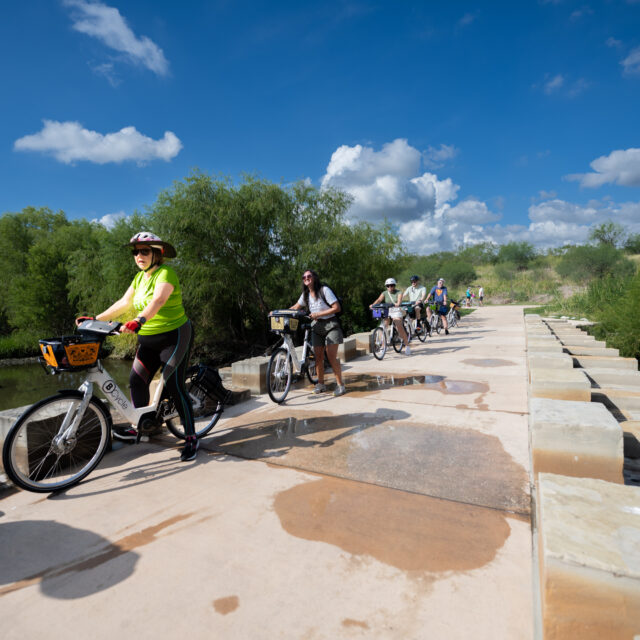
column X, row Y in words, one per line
column 100, row 328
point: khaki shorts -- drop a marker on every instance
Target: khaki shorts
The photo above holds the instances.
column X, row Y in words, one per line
column 326, row 332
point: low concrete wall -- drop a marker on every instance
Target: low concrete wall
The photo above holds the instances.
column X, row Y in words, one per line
column 589, row 548
column 587, row 536
column 575, row 439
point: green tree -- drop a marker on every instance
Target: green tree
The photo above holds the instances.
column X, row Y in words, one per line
column 518, row 253
column 608, row 233
column 632, row 243
column 242, row 249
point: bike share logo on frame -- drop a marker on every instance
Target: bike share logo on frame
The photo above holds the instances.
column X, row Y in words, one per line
column 110, row 389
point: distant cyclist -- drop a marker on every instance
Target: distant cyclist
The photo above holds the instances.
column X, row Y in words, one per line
column 416, row 294
column 393, row 296
column 439, row 294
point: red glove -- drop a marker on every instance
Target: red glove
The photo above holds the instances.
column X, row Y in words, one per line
column 133, row 325
column 82, row 319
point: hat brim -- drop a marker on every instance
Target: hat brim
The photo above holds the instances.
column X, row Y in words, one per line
column 169, row 250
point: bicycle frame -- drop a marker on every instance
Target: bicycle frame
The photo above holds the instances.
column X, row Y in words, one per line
column 306, row 346
column 114, row 395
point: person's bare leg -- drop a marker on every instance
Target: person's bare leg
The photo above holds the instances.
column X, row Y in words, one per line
column 318, row 352
column 402, row 332
column 332, row 355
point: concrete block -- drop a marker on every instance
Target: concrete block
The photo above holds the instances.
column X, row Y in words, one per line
column 560, row 384
column 363, row 341
column 542, row 339
column 225, row 373
column 589, row 342
column 589, row 551
column 347, row 350
column 546, row 360
column 580, row 439
column 250, row 373
column 607, row 362
column 615, row 378
column 551, row 347
column 591, row 351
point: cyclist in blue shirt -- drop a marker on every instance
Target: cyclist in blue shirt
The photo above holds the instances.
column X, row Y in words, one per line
column 439, row 293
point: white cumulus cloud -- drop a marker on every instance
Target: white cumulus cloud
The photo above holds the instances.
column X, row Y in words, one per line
column 109, row 26
column 631, row 63
column 109, row 220
column 389, row 184
column 619, row 167
column 70, row 142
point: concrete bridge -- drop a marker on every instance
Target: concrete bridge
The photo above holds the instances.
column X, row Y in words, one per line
column 401, row 510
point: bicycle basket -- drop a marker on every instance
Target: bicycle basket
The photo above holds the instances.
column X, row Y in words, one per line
column 380, row 312
column 284, row 321
column 69, row 353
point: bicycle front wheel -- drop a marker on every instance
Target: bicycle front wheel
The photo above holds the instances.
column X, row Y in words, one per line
column 379, row 343
column 39, row 455
column 279, row 375
column 396, row 340
column 421, row 330
column 406, row 323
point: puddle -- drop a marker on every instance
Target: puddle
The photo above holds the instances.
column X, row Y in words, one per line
column 411, row 532
column 226, row 605
column 362, row 384
column 382, row 448
column 489, row 362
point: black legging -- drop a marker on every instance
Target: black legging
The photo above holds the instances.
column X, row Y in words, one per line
column 170, row 349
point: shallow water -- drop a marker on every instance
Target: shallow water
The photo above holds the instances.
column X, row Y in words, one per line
column 24, row 384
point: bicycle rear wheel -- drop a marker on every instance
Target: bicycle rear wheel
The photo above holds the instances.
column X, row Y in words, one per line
column 379, row 343
column 279, row 375
column 201, row 408
column 311, row 371
column 38, row 456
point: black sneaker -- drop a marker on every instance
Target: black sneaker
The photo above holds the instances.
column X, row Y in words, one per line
column 190, row 449
column 446, row 332
column 127, row 434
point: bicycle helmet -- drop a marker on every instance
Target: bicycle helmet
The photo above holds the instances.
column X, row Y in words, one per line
column 145, row 237
column 389, row 281
column 414, row 278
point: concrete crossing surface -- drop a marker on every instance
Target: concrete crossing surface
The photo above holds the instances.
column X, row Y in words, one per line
column 399, row 510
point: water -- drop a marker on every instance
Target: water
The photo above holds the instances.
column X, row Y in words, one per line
column 24, row 384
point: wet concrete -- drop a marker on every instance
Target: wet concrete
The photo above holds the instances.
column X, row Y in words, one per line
column 381, row 448
column 410, row 532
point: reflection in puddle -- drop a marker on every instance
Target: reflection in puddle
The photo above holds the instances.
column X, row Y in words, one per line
column 364, row 383
column 381, row 448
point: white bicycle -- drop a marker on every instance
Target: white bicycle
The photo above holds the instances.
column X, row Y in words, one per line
column 284, row 364
column 386, row 332
column 58, row 441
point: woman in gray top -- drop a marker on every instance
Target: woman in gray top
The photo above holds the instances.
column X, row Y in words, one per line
column 322, row 306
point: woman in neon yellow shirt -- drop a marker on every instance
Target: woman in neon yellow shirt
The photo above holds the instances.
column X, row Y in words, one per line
column 164, row 332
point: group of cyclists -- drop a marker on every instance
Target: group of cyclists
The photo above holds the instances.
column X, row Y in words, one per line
column 417, row 295
column 165, row 334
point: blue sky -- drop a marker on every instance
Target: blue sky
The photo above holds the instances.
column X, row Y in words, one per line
column 457, row 121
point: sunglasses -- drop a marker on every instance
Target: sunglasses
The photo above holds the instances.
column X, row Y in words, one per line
column 305, row 277
column 142, row 252
column 389, row 285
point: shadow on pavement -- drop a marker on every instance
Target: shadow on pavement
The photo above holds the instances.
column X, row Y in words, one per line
column 31, row 546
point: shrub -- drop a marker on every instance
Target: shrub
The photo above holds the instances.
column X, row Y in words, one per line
column 584, row 263
column 518, row 253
